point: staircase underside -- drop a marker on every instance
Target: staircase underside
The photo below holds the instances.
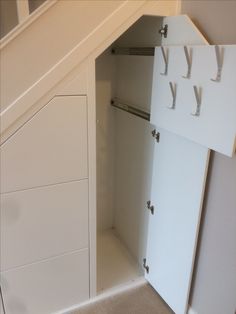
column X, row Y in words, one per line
column 28, row 82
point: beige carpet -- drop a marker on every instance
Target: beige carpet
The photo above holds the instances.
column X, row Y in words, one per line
column 140, row 300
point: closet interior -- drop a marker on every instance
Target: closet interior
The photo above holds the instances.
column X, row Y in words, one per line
column 124, row 152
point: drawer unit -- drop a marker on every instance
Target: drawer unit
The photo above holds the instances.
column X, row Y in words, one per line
column 45, row 150
column 47, row 286
column 44, row 222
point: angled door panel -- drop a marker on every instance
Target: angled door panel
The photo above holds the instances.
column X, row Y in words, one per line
column 178, row 182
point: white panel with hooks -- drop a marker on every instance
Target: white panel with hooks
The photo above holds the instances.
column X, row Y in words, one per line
column 205, row 106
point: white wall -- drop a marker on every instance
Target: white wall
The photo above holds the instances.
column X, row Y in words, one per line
column 214, row 288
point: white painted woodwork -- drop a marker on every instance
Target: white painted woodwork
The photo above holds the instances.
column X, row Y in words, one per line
column 178, row 182
column 50, row 148
column 105, row 139
column 133, row 171
column 143, row 33
column 215, row 127
column 134, row 80
column 76, row 86
column 22, row 9
column 26, row 23
column 182, row 31
column 91, row 98
column 115, row 263
column 19, row 103
column 48, row 286
column 179, row 173
column 44, row 222
column 81, row 20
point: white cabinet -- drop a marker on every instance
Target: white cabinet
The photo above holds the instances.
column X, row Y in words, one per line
column 44, row 210
column 175, row 186
column 50, row 148
column 47, row 286
column 40, row 223
column 49, row 200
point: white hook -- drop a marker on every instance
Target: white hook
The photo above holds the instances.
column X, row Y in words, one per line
column 173, row 88
column 198, row 96
column 188, row 56
column 219, row 60
column 165, row 54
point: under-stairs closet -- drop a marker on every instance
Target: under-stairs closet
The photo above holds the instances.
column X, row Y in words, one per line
column 96, row 202
column 124, row 153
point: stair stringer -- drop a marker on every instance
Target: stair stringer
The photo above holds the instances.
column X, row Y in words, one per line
column 48, row 85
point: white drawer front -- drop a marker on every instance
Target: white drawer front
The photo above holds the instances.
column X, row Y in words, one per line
column 44, row 222
column 50, row 148
column 215, row 126
column 48, row 286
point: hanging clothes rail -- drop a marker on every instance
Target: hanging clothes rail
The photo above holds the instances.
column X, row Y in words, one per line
column 115, row 102
column 133, row 51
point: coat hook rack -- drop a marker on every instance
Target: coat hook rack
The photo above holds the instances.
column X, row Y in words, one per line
column 165, row 53
column 219, row 59
column 173, row 88
column 188, row 56
column 198, row 96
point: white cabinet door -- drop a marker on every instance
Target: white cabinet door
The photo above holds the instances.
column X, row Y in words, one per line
column 178, row 182
column 214, row 126
column 179, row 173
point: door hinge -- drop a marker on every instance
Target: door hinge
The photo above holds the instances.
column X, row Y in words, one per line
column 150, row 207
column 164, row 31
column 145, row 266
column 156, row 135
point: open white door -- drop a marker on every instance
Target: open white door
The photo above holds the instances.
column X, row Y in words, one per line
column 179, row 172
column 178, row 182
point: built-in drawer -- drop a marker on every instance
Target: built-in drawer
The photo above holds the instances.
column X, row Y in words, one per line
column 48, row 286
column 43, row 222
column 50, row 148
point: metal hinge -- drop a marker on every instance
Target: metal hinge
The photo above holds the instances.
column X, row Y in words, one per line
column 163, row 31
column 145, row 266
column 150, row 207
column 156, row 135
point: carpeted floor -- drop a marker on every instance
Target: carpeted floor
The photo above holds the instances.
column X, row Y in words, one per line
column 140, row 300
